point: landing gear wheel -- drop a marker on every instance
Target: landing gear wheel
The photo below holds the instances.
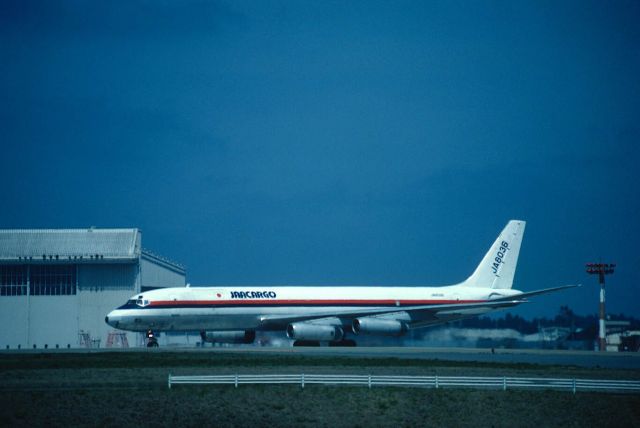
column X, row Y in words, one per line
column 345, row 342
column 152, row 340
column 306, row 343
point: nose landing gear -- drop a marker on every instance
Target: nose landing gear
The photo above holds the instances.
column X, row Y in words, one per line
column 152, row 340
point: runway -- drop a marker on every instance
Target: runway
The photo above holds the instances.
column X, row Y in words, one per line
column 588, row 359
column 613, row 360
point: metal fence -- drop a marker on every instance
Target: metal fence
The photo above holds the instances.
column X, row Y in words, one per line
column 370, row 381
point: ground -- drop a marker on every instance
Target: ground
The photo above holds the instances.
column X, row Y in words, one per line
column 130, row 389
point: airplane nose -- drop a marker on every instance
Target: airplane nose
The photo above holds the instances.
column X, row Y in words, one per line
column 112, row 320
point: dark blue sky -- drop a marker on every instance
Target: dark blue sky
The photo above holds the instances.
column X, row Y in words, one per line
column 332, row 143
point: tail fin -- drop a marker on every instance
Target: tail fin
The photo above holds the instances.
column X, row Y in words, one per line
column 497, row 268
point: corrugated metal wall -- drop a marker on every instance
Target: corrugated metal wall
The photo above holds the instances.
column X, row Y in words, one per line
column 14, row 316
column 52, row 320
column 94, row 306
column 108, row 277
column 102, row 288
column 156, row 276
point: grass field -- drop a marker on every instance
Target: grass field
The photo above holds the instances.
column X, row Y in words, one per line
column 130, row 389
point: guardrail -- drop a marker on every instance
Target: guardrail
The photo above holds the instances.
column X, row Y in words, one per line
column 503, row 383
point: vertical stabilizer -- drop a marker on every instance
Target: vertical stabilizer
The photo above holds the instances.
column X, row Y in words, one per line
column 497, row 268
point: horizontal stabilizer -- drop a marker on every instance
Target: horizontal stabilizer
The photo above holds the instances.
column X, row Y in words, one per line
column 537, row 292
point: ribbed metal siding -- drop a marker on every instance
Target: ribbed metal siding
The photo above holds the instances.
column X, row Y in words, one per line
column 94, row 306
column 108, row 277
column 65, row 243
column 157, row 276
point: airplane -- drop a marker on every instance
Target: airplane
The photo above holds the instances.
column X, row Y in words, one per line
column 335, row 315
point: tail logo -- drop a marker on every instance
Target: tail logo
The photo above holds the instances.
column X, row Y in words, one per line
column 498, row 260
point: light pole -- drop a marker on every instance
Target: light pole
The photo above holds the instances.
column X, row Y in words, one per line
column 601, row 269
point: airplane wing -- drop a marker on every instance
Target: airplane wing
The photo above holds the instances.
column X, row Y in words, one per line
column 423, row 312
column 420, row 316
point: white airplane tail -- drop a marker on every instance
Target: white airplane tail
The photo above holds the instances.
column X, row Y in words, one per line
column 497, row 268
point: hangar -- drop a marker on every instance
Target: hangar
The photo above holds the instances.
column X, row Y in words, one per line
column 56, row 285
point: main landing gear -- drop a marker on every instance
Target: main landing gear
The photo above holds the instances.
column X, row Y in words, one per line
column 152, row 340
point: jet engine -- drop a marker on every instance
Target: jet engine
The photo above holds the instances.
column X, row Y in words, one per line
column 239, row 336
column 384, row 327
column 309, row 331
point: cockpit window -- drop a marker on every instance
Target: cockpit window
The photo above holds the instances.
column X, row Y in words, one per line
column 139, row 302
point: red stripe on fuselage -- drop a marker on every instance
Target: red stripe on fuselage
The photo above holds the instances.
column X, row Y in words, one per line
column 281, row 302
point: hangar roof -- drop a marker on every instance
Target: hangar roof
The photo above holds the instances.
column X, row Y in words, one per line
column 70, row 244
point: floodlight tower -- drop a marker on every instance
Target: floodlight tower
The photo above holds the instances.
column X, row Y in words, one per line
column 601, row 269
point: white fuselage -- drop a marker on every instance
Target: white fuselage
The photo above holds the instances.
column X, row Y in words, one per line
column 253, row 308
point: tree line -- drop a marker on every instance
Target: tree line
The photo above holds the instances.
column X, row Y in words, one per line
column 582, row 325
